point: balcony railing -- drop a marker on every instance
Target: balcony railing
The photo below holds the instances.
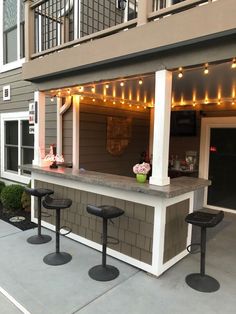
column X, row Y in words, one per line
column 57, row 24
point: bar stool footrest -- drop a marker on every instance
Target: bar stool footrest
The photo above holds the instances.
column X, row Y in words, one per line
column 115, row 240
column 56, row 259
column 39, row 239
column 103, row 273
column 202, row 283
column 45, row 214
column 189, row 248
column 66, row 228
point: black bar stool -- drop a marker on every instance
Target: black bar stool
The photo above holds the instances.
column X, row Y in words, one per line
column 39, row 193
column 104, row 272
column 201, row 281
column 57, row 258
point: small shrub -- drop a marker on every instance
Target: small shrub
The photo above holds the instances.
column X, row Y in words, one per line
column 11, row 197
column 2, row 185
column 26, row 199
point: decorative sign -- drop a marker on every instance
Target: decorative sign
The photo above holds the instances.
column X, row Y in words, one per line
column 31, row 129
column 118, row 134
column 31, row 113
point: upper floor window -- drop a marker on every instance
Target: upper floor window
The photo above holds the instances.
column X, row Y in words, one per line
column 12, row 31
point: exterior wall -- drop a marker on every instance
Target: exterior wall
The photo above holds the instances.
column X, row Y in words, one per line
column 93, row 139
column 175, row 225
column 134, row 229
column 22, row 92
column 50, row 123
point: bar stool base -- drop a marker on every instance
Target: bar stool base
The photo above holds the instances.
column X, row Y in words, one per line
column 101, row 273
column 56, row 259
column 202, row 283
column 39, row 239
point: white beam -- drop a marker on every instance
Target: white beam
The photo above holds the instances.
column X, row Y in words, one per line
column 75, row 148
column 59, row 126
column 161, row 130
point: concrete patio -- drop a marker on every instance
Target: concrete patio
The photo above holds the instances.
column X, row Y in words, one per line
column 37, row 288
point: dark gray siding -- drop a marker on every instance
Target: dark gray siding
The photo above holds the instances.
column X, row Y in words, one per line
column 22, row 92
column 93, row 140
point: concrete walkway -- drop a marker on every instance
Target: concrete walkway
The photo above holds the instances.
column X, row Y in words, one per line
column 67, row 289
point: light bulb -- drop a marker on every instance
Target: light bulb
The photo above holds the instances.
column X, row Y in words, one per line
column 206, row 70
column 233, row 66
column 140, row 82
column 180, row 74
column 122, row 84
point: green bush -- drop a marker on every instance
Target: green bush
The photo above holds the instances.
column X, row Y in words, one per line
column 11, row 197
column 26, row 199
column 2, row 185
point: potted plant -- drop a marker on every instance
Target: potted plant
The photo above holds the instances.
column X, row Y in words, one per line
column 141, row 171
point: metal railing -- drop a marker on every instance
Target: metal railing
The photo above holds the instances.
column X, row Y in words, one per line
column 57, row 22
column 60, row 24
column 162, row 8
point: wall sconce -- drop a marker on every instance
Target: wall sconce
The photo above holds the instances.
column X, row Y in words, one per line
column 122, row 4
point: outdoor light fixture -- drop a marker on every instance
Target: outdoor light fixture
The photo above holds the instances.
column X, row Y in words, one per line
column 122, row 4
column 180, row 74
column 233, row 66
column 206, row 70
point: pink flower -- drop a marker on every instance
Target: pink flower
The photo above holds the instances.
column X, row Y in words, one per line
column 143, row 168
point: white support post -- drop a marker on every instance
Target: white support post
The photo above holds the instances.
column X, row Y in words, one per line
column 75, row 149
column 161, row 131
column 59, row 126
column 39, row 128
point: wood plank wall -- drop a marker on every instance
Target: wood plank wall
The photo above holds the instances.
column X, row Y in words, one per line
column 93, row 139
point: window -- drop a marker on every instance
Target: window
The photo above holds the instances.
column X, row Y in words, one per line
column 12, row 33
column 17, row 146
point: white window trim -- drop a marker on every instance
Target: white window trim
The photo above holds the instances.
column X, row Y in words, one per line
column 10, row 116
column 17, row 63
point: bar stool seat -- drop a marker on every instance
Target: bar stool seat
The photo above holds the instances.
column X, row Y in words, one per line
column 39, row 193
column 57, row 258
column 104, row 272
column 201, row 281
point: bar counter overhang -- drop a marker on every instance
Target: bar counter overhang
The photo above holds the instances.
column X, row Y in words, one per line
column 152, row 234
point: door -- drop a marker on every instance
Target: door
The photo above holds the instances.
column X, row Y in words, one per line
column 218, row 162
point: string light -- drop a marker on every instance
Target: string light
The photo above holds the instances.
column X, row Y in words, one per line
column 233, row 101
column 140, row 82
column 122, row 84
column 180, row 74
column 93, row 89
column 219, row 102
column 107, row 86
column 233, row 66
column 206, row 70
column 52, row 99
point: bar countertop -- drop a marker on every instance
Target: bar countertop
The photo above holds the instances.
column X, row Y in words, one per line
column 176, row 187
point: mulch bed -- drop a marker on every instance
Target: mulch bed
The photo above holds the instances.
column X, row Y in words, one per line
column 22, row 225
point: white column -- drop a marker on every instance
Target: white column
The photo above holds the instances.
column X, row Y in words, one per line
column 59, row 126
column 75, row 148
column 39, row 128
column 161, row 131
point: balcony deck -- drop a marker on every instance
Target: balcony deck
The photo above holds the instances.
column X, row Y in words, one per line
column 67, row 289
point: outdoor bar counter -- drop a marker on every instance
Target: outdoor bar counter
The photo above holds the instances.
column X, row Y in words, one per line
column 152, row 233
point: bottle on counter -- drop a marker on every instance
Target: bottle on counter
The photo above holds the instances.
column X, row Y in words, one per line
column 177, row 163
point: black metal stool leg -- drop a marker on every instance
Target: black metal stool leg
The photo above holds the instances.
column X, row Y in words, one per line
column 57, row 258
column 200, row 281
column 39, row 238
column 104, row 272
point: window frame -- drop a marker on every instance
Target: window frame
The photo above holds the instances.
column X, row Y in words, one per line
column 19, row 61
column 7, row 174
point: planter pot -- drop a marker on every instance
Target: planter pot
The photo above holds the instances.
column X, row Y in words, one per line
column 141, row 178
